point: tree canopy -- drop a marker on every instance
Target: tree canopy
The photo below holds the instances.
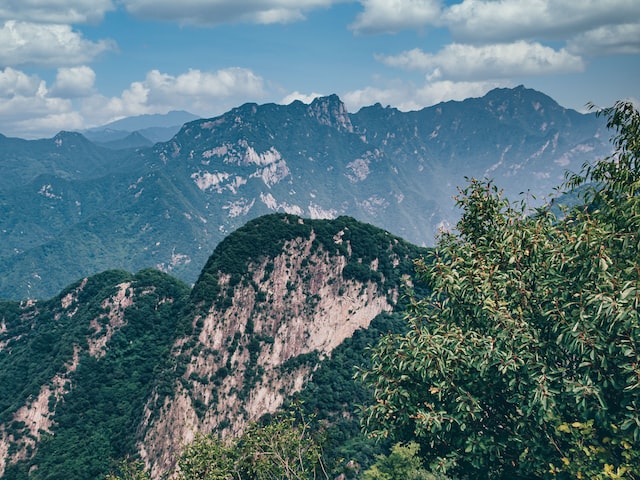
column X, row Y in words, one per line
column 523, row 362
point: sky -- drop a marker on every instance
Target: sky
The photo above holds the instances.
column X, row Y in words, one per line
column 76, row 64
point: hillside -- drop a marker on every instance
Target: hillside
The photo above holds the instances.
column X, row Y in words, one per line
column 120, row 364
column 72, row 208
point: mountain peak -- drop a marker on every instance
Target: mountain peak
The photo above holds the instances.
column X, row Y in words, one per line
column 522, row 96
column 70, row 139
column 331, row 111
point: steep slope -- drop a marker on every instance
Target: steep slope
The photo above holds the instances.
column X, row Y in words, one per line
column 274, row 300
column 119, row 364
column 169, row 205
column 76, row 370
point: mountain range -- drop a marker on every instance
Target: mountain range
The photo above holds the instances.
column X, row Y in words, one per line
column 72, row 208
column 139, row 131
column 118, row 365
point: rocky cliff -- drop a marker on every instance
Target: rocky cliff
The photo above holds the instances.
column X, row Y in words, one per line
column 138, row 364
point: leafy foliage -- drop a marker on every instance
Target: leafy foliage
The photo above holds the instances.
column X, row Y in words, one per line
column 284, row 448
column 129, row 470
column 403, row 463
column 523, row 362
column 331, row 399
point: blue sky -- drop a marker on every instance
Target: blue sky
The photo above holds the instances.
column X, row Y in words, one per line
column 74, row 64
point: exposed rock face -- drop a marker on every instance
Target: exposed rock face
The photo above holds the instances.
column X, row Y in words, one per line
column 261, row 345
column 37, row 417
column 145, row 363
column 80, row 321
column 167, row 205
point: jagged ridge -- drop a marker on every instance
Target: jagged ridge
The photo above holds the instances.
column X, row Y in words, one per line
column 169, row 205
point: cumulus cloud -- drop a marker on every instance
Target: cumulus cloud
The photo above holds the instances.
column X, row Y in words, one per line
column 55, row 11
column 464, row 62
column 16, row 83
column 506, row 20
column 197, row 12
column 391, row 16
column 304, row 98
column 201, row 89
column 23, row 43
column 407, row 97
column 27, row 110
column 203, row 93
column 74, row 82
column 608, row 40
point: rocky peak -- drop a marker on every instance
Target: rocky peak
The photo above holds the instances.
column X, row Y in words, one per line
column 332, row 112
column 264, row 316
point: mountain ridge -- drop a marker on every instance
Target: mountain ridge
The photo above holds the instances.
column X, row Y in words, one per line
column 121, row 364
column 167, row 205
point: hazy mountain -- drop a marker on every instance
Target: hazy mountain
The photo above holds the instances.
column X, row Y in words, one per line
column 131, row 140
column 71, row 209
column 150, row 128
column 119, row 364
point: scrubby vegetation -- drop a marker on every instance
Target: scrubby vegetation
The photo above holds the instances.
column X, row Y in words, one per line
column 523, row 360
column 360, row 243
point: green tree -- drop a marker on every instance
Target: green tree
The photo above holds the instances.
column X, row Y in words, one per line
column 523, row 362
column 403, row 463
column 129, row 470
column 209, row 458
column 283, row 448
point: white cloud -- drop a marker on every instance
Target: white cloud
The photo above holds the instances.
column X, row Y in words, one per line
column 26, row 110
column 466, row 62
column 201, row 90
column 48, row 125
column 304, row 98
column 74, row 82
column 16, row 83
column 29, row 109
column 55, row 11
column 198, row 12
column 407, row 97
column 608, row 40
column 202, row 93
column 505, row 20
column 443, row 91
column 23, row 43
column 391, row 16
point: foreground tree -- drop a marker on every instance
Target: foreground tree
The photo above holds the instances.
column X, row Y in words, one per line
column 402, row 463
column 524, row 362
column 129, row 470
column 284, row 448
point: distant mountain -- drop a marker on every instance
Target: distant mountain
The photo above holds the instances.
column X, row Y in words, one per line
column 149, row 129
column 71, row 208
column 132, row 140
column 119, row 365
column 139, row 122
